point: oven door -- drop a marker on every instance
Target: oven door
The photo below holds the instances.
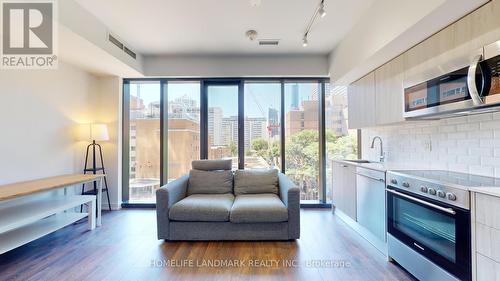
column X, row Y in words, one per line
column 438, row 231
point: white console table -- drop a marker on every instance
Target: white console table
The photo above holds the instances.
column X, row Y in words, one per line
column 24, row 216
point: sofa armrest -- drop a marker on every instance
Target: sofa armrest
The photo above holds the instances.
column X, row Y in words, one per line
column 290, row 195
column 166, row 197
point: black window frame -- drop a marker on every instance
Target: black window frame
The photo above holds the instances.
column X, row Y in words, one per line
column 204, row 83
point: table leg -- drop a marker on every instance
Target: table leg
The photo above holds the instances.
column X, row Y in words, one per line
column 91, row 217
column 99, row 201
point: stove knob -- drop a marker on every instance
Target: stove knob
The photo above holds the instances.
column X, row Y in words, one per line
column 432, row 191
column 406, row 184
column 424, row 189
column 451, row 196
column 441, row 193
column 394, row 181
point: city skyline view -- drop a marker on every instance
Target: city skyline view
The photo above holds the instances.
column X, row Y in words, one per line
column 262, row 130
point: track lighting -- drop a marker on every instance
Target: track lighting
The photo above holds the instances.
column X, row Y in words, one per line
column 320, row 10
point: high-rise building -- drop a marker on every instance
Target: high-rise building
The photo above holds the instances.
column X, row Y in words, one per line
column 295, row 96
column 273, row 122
column 336, row 111
column 229, row 131
column 255, row 128
column 215, row 125
column 303, row 118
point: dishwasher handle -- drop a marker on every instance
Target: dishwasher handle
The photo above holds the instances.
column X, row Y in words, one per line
column 371, row 177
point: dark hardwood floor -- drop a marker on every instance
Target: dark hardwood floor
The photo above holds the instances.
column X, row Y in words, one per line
column 126, row 248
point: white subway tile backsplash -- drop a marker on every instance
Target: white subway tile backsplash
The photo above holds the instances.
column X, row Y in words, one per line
column 447, row 128
column 464, row 144
column 496, row 116
column 480, row 117
column 488, row 125
column 481, row 170
column 467, row 127
column 456, row 120
column 490, row 161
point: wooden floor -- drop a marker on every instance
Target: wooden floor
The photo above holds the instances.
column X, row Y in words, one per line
column 126, row 248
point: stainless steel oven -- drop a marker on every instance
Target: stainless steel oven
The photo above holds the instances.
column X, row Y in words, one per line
column 464, row 89
column 429, row 224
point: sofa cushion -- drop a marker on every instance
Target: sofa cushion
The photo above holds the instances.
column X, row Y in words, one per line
column 212, row 165
column 256, row 181
column 210, row 182
column 251, row 208
column 202, row 207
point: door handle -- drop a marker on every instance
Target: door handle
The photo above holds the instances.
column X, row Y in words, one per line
column 471, row 81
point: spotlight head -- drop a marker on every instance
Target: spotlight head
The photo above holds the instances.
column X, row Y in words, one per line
column 304, row 41
column 321, row 11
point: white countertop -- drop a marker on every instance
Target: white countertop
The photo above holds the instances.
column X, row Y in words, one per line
column 493, row 191
column 387, row 166
column 382, row 167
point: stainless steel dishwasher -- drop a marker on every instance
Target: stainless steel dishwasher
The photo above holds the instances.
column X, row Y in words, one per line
column 370, row 207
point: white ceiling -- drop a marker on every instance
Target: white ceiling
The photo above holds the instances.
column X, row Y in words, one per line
column 186, row 27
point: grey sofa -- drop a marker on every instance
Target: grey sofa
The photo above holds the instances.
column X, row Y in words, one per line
column 214, row 203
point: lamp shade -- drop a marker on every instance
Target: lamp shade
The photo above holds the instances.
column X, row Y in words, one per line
column 99, row 132
column 93, row 132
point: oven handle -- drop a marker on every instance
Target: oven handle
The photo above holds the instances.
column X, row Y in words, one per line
column 447, row 210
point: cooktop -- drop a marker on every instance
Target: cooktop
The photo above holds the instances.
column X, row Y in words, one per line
column 448, row 177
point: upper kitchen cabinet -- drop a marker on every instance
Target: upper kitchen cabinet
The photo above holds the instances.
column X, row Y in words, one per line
column 389, row 92
column 361, row 100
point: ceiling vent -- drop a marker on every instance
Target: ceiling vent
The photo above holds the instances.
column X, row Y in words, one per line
column 129, row 52
column 269, row 42
column 120, row 45
column 115, row 41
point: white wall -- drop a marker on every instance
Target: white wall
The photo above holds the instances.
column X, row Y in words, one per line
column 39, row 113
column 235, row 66
column 107, row 103
column 464, row 144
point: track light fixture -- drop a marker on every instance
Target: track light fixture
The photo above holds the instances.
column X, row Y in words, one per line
column 320, row 10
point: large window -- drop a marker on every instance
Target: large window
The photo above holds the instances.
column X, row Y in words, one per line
column 341, row 143
column 262, row 125
column 144, row 141
column 288, row 124
column 183, row 127
column 302, row 137
column 223, row 122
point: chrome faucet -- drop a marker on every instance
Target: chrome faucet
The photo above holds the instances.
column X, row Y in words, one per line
column 382, row 156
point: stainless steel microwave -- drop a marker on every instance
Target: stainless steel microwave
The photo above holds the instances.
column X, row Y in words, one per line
column 472, row 89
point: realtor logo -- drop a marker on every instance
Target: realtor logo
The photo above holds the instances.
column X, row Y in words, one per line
column 28, row 35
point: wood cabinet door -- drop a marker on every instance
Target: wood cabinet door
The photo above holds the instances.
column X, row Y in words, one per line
column 389, row 92
column 361, row 102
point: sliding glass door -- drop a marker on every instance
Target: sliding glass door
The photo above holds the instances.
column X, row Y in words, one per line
column 262, row 102
column 302, row 138
column 223, row 121
column 183, row 127
column 144, row 141
column 258, row 123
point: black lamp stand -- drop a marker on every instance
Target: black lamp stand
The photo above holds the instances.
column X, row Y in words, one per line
column 94, row 170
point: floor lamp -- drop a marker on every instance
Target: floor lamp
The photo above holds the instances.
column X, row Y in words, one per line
column 94, row 133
